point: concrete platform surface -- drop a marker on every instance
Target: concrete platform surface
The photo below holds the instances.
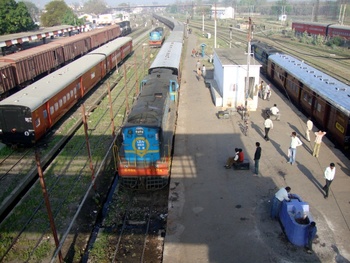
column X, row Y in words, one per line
column 220, row 215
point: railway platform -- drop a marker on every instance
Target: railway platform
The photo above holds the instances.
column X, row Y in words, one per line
column 223, row 215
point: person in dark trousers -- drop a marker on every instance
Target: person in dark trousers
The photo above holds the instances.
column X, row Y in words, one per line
column 268, row 124
column 329, row 174
column 239, row 157
column 282, row 194
column 231, row 160
column 311, row 234
column 257, row 156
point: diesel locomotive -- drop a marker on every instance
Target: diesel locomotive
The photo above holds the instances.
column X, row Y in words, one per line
column 143, row 150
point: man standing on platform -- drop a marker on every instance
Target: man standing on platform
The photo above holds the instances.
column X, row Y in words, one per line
column 257, row 156
column 268, row 124
column 318, row 140
column 261, row 90
column 282, row 194
column 329, row 174
column 267, row 92
column 309, row 126
column 294, row 143
column 204, row 71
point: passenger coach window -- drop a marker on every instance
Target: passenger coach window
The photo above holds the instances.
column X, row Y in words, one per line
column 37, row 122
column 45, row 113
column 71, row 93
column 60, row 102
column 318, row 107
column 56, row 106
column 64, row 99
column 51, row 110
column 68, row 96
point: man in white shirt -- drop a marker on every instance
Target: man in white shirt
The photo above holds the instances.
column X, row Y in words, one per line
column 309, row 126
column 275, row 112
column 329, row 174
column 267, row 92
column 294, row 143
column 276, row 202
column 268, row 124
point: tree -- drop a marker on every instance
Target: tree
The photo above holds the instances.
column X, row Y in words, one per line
column 96, row 7
column 33, row 11
column 57, row 13
column 14, row 17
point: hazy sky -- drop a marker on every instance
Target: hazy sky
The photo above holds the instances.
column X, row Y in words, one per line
column 112, row 3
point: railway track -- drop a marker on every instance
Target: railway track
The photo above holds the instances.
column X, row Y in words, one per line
column 333, row 62
column 69, row 175
column 134, row 229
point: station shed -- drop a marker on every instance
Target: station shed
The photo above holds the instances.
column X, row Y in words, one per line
column 228, row 86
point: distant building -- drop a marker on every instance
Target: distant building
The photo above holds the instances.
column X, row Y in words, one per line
column 89, row 18
column 282, row 18
column 223, row 12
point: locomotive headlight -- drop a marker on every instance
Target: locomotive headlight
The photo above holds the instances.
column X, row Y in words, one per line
column 0, row 131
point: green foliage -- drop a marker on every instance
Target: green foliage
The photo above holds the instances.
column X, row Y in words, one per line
column 14, row 17
column 335, row 42
column 57, row 13
column 318, row 40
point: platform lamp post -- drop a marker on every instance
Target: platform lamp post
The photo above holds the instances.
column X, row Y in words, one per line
column 248, row 63
column 215, row 24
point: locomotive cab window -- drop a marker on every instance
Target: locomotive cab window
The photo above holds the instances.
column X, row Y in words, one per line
column 173, row 86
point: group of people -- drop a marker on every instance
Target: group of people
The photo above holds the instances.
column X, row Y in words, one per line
column 264, row 91
column 237, row 158
column 201, row 71
column 283, row 194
